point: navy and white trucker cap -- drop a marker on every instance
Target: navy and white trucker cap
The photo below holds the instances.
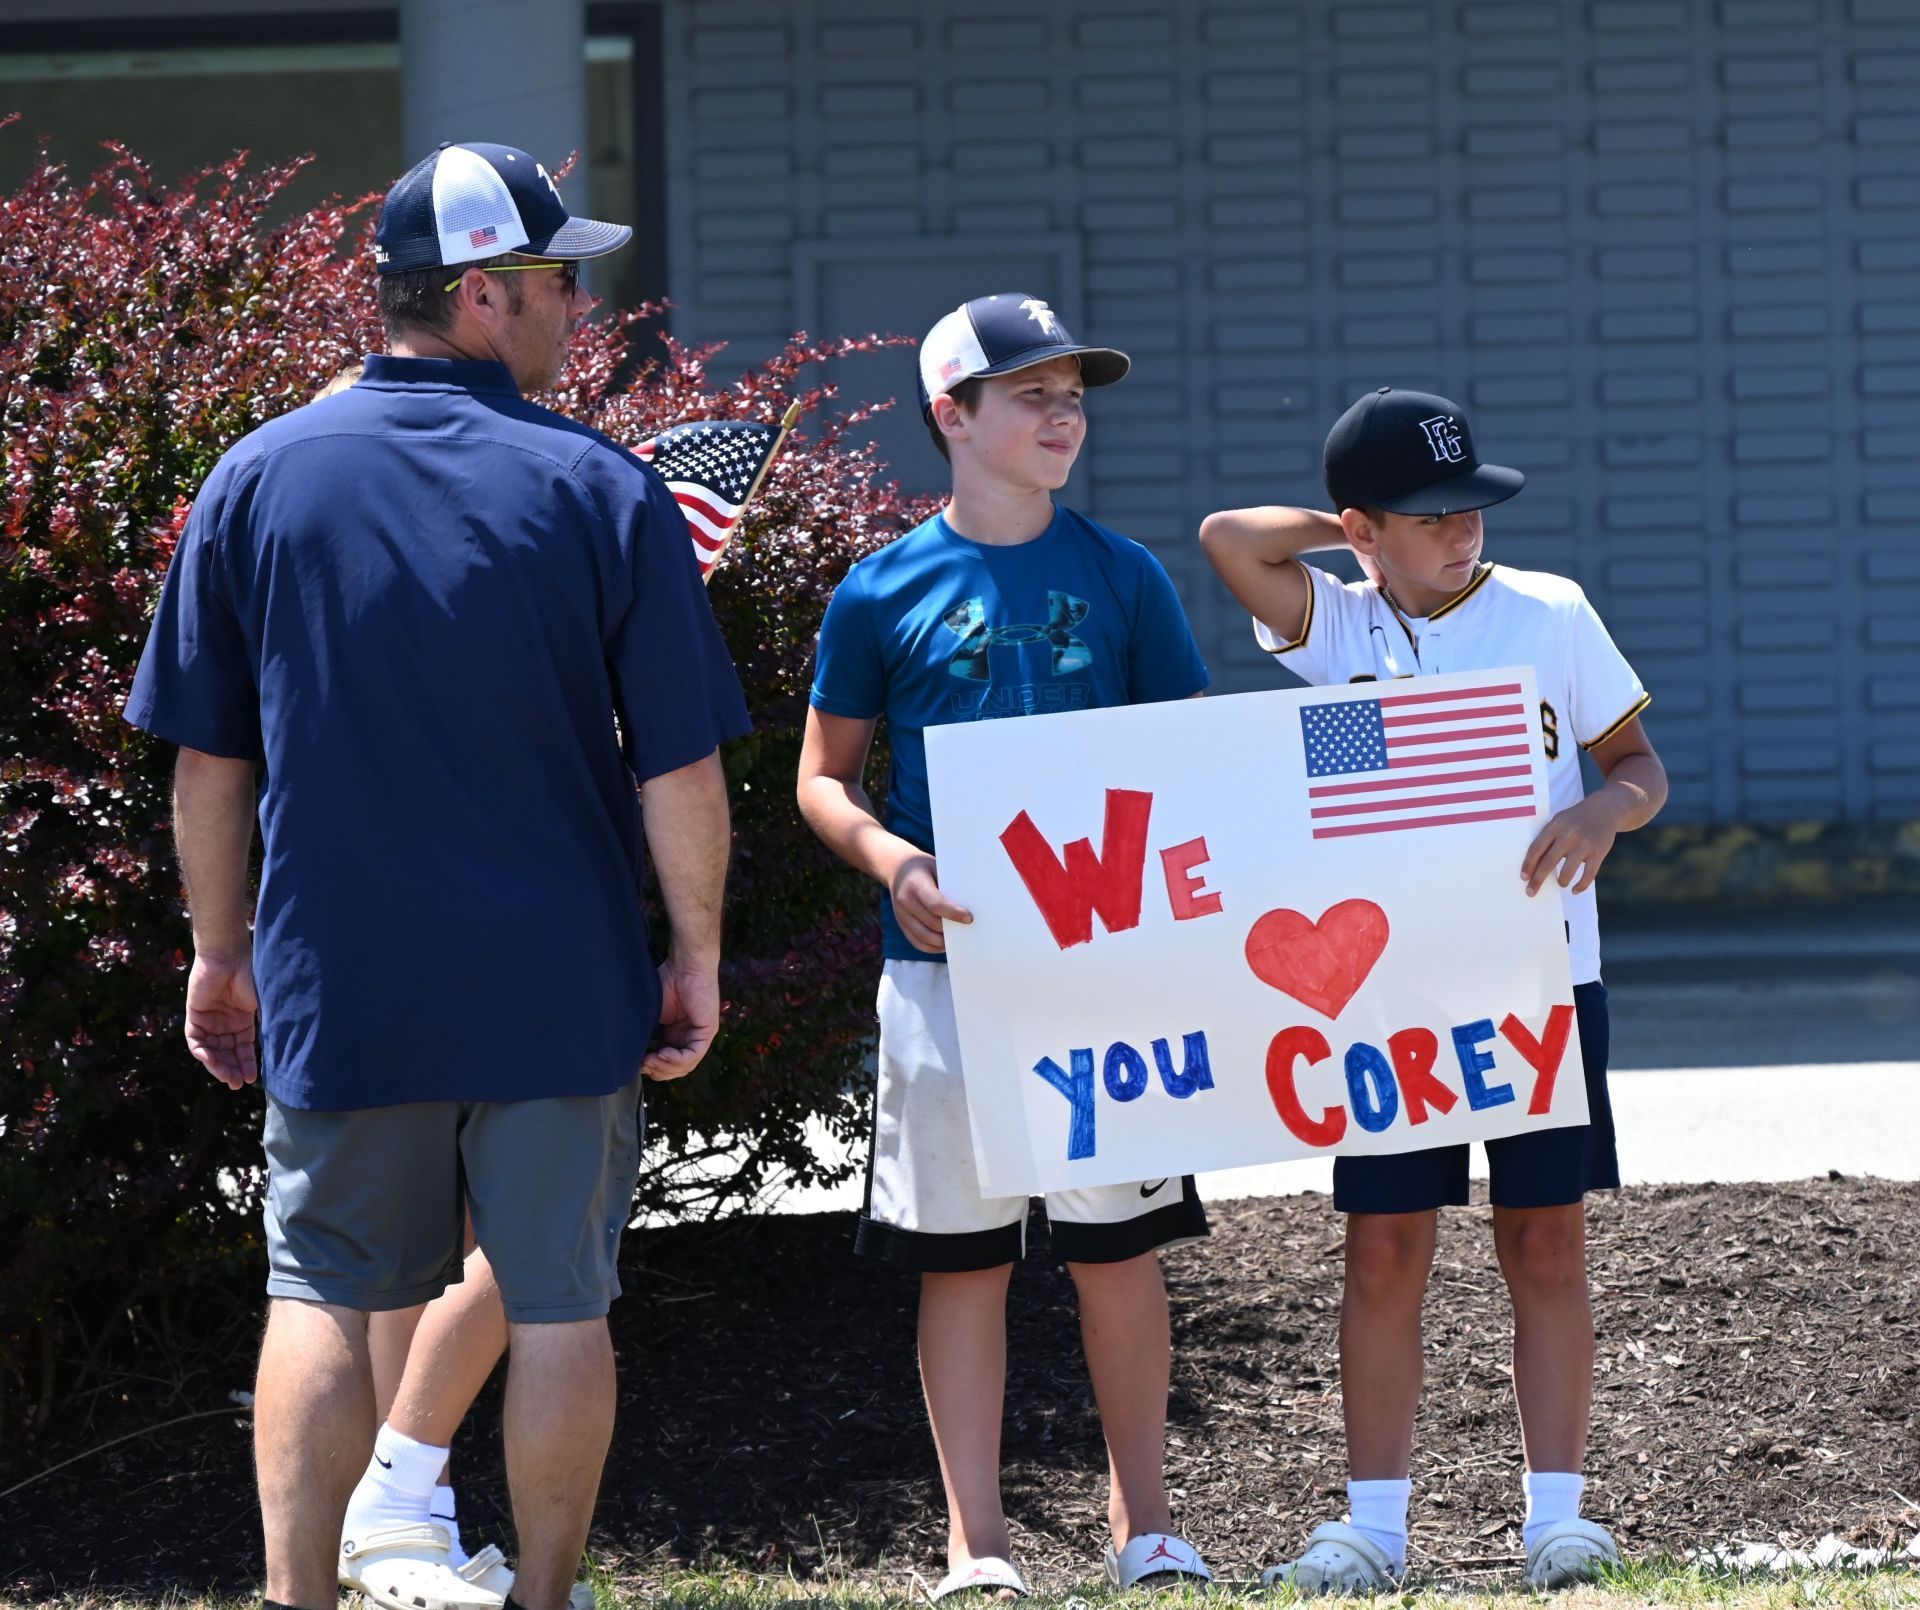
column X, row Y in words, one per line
column 995, row 335
column 1410, row 452
column 473, row 200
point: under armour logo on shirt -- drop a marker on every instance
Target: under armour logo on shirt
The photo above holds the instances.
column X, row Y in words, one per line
column 1053, row 643
column 1444, row 437
column 1040, row 313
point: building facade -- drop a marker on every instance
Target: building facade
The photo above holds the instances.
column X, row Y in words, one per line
column 1666, row 251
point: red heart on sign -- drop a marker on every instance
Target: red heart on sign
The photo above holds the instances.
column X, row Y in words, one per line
column 1321, row 963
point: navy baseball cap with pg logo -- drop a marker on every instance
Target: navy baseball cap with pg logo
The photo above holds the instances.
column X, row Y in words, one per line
column 473, row 200
column 1410, row 452
column 995, row 335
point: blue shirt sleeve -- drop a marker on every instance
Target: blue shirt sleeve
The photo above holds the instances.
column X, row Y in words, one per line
column 674, row 684
column 195, row 686
column 849, row 676
column 1163, row 660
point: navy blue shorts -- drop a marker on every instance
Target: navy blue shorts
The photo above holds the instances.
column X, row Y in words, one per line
column 1548, row 1168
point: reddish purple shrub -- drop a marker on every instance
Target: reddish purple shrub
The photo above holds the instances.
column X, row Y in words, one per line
column 143, row 330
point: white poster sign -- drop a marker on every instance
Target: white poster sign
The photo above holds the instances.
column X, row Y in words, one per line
column 1239, row 930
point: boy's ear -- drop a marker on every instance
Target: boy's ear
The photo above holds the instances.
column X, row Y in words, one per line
column 947, row 416
column 1359, row 530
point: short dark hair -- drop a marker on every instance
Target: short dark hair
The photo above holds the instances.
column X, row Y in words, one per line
column 418, row 299
column 966, row 397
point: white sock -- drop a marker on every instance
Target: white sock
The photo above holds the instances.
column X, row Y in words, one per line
column 1552, row 1495
column 443, row 1513
column 397, row 1489
column 1378, row 1512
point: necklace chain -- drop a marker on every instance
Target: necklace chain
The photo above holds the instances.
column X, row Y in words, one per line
column 1387, row 593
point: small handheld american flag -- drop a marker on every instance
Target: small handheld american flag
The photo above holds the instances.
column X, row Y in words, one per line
column 1417, row 760
column 713, row 467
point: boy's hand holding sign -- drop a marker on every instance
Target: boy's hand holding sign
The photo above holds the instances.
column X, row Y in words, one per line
column 1238, row 930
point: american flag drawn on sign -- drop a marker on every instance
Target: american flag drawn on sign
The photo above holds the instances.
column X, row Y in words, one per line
column 712, row 467
column 1416, row 760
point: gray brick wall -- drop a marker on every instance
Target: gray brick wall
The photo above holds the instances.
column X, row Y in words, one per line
column 1667, row 250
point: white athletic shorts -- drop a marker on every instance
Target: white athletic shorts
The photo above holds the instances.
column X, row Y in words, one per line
column 924, row 1209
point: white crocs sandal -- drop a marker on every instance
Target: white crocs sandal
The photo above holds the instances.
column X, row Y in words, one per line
column 1338, row 1559
column 991, row 1576
column 1154, row 1554
column 411, row 1568
column 489, row 1569
column 1570, row 1551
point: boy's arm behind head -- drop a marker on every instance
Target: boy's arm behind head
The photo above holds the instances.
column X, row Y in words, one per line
column 1255, row 552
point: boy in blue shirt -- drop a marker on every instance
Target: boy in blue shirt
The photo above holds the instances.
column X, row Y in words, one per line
column 1000, row 605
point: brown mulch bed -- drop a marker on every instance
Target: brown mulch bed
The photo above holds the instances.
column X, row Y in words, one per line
column 1759, row 1373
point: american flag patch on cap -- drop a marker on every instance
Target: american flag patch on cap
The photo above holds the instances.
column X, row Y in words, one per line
column 483, row 237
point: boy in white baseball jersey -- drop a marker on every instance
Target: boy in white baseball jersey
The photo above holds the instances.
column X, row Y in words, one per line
column 1001, row 605
column 1408, row 488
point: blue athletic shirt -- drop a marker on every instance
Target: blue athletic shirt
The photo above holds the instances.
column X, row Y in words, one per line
column 421, row 604
column 936, row 628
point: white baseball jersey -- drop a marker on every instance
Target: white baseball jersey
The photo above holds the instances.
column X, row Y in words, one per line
column 1588, row 692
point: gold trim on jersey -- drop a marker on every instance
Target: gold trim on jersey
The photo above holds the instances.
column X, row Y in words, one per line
column 1594, row 743
column 1306, row 626
column 1459, row 598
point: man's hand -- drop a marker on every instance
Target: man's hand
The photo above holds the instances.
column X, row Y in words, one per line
column 222, row 1019
column 919, row 906
column 1580, row 836
column 213, row 804
column 689, row 1019
column 688, row 838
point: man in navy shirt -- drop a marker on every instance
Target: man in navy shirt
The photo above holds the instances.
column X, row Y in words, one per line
column 432, row 633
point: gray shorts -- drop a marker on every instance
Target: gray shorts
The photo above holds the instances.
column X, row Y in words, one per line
column 364, row 1208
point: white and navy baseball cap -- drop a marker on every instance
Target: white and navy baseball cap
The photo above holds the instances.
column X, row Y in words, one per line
column 473, row 200
column 1410, row 452
column 995, row 335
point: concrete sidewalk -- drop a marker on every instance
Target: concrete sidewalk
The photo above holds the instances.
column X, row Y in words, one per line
column 1687, row 1126
column 1747, row 1045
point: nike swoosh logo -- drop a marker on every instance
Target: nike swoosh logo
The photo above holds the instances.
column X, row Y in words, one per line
column 386, row 1464
column 1153, row 1189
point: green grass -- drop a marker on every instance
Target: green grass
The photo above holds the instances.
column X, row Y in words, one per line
column 1647, row 1583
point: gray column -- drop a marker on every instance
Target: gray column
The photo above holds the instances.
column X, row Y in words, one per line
column 510, row 71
